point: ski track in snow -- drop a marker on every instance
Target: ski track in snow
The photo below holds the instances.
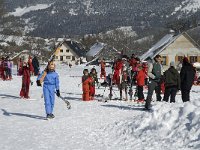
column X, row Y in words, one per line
column 116, row 125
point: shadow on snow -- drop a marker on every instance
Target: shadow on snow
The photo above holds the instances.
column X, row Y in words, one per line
column 137, row 108
column 9, row 96
column 6, row 113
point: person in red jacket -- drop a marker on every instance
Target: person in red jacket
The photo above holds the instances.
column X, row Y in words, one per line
column 117, row 71
column 86, row 81
column 145, row 68
column 24, row 93
column 30, row 65
column 103, row 69
column 140, row 79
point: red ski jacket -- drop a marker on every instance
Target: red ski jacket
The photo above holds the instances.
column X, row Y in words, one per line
column 140, row 78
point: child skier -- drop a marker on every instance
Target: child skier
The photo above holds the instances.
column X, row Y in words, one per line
column 51, row 83
column 140, row 79
column 124, row 80
column 94, row 79
column 24, row 93
column 86, row 81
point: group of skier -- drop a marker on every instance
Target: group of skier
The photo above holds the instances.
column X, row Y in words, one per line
column 5, row 68
column 128, row 72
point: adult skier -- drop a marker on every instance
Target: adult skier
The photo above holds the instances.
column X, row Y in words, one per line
column 24, row 93
column 51, row 84
column 155, row 72
column 187, row 76
column 172, row 83
column 103, row 69
column 36, row 65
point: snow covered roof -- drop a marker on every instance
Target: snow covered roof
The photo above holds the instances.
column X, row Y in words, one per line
column 160, row 46
column 95, row 49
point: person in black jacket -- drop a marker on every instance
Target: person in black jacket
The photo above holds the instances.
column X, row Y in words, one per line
column 187, row 75
column 172, row 83
column 36, row 65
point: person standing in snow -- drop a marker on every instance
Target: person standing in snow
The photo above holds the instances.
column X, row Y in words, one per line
column 36, row 65
column 24, row 93
column 93, row 75
column 140, row 81
column 50, row 79
column 86, row 82
column 172, row 83
column 155, row 72
column 19, row 67
column 30, row 65
column 103, row 69
column 187, row 75
column 9, row 69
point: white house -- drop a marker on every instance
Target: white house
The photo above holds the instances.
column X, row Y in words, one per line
column 173, row 48
column 70, row 52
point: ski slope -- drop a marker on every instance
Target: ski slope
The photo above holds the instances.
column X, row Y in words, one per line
column 116, row 125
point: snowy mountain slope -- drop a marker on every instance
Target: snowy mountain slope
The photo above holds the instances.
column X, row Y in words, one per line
column 94, row 16
column 116, row 125
column 188, row 6
column 21, row 11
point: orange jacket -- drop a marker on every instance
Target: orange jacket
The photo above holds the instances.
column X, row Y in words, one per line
column 140, row 78
column 86, row 82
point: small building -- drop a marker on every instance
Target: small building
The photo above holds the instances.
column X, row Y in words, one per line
column 70, row 52
column 173, row 48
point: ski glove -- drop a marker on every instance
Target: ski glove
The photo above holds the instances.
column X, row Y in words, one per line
column 38, row 83
column 58, row 93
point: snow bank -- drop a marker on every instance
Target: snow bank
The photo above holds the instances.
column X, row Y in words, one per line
column 21, row 11
column 169, row 126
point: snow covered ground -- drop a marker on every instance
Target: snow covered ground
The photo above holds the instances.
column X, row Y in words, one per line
column 116, row 125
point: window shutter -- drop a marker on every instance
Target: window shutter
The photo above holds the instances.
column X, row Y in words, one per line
column 167, row 60
column 188, row 57
column 176, row 59
column 198, row 58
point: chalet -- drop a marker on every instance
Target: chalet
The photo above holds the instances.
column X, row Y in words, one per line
column 70, row 52
column 173, row 48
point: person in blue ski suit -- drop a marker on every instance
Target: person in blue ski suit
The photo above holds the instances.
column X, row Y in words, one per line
column 51, row 83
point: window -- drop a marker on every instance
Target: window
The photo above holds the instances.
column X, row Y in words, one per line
column 164, row 60
column 180, row 58
column 61, row 50
column 73, row 58
column 68, row 57
column 193, row 59
column 56, row 57
column 67, row 50
column 61, row 58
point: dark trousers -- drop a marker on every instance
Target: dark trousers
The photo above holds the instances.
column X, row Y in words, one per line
column 140, row 92
column 170, row 92
column 151, row 87
column 185, row 95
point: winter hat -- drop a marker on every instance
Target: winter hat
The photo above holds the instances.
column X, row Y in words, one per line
column 185, row 60
column 172, row 64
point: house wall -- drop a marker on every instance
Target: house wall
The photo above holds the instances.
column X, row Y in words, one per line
column 180, row 47
column 68, row 55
